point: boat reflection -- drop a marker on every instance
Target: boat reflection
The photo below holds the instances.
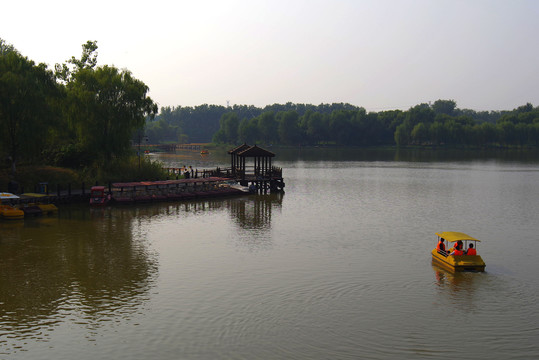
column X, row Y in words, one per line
column 458, row 288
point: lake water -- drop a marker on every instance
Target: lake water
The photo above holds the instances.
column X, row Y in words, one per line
column 337, row 267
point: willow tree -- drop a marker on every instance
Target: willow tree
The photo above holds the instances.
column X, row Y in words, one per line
column 27, row 93
column 106, row 106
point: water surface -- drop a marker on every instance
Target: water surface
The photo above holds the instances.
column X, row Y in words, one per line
column 337, row 267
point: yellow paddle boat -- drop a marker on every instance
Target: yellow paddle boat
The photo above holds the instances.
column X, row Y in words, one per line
column 462, row 259
column 6, row 210
column 47, row 208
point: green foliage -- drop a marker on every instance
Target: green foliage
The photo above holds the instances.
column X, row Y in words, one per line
column 267, row 127
column 27, row 177
column 126, row 169
column 84, row 116
column 28, row 99
column 288, row 127
column 108, row 106
column 88, row 60
column 248, row 131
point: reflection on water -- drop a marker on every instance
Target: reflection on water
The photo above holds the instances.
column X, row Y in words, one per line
column 459, row 287
column 90, row 266
column 255, row 212
column 338, row 267
column 70, row 269
column 406, row 154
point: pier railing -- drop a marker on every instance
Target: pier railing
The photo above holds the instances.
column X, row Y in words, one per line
column 228, row 172
column 56, row 193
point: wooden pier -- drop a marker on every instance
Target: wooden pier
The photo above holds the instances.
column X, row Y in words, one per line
column 173, row 147
column 259, row 175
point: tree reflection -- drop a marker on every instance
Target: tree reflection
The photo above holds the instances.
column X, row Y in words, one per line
column 78, row 270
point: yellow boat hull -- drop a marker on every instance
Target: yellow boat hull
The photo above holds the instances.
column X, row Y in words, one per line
column 48, row 208
column 11, row 213
column 459, row 263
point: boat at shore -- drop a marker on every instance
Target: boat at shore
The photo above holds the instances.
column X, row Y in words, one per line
column 454, row 262
column 170, row 190
column 98, row 197
column 7, row 211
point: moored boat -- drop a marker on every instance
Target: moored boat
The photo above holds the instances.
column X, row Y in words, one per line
column 30, row 209
column 172, row 190
column 6, row 210
column 98, row 196
column 453, row 260
column 47, row 208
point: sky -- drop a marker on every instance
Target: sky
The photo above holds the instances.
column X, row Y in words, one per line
column 378, row 54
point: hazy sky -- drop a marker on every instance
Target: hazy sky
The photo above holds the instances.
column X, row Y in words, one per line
column 379, row 54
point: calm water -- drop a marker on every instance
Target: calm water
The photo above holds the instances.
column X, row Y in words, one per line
column 338, row 267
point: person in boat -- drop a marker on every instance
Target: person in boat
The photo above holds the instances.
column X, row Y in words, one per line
column 459, row 245
column 471, row 250
column 441, row 246
column 456, row 251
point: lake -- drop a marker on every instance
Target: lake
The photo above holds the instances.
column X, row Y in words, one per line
column 337, row 267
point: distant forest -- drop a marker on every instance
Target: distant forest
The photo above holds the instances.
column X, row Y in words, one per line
column 439, row 123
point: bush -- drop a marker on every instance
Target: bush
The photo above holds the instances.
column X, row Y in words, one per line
column 27, row 177
column 119, row 170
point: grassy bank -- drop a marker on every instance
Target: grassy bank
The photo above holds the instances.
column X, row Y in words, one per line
column 28, row 177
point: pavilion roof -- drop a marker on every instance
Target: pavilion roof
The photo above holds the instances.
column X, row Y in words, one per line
column 238, row 149
column 255, row 151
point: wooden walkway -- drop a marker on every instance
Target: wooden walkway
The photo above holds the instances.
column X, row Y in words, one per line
column 174, row 147
column 271, row 181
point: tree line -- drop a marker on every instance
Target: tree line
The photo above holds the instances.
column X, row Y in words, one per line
column 439, row 123
column 199, row 124
column 78, row 115
column 81, row 115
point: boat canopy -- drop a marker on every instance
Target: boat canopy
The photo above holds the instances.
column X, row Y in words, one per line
column 453, row 236
column 5, row 195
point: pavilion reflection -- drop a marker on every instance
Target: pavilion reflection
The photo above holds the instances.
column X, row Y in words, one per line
column 255, row 212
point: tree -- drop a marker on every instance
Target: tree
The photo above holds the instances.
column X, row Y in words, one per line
column 229, row 124
column 88, row 60
column 267, row 127
column 107, row 107
column 6, row 48
column 340, row 127
column 288, row 128
column 316, row 126
column 248, row 131
column 419, row 133
column 27, row 93
column 437, row 133
column 444, row 107
column 401, row 135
